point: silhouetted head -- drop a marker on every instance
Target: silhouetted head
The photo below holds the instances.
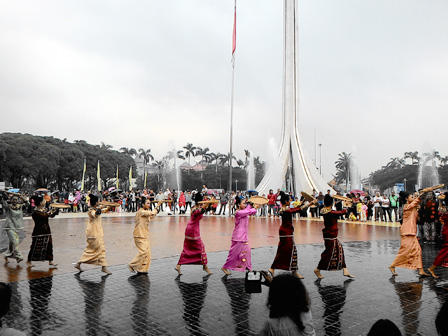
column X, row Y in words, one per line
column 442, row 320
column 284, row 198
column 384, row 327
column 38, row 200
column 93, row 200
column 328, row 200
column 288, row 298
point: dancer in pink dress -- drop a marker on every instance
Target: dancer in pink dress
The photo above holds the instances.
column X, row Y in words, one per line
column 239, row 258
column 194, row 249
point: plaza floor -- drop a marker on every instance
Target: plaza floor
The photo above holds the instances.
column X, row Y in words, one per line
column 63, row 302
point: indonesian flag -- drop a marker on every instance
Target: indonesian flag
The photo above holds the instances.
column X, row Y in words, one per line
column 234, row 37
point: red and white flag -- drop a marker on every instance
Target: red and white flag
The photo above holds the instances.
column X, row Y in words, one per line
column 234, row 37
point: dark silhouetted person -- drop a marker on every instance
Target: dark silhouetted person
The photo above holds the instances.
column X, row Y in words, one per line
column 384, row 327
column 442, row 320
column 5, row 301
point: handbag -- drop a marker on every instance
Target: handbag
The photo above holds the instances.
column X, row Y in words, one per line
column 252, row 282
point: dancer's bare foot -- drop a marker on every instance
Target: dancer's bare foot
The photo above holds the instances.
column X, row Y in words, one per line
column 422, row 273
column 50, row 263
column 78, row 267
column 177, row 268
column 105, row 270
column 226, row 271
column 272, row 271
column 392, row 269
column 431, row 270
column 205, row 268
column 295, row 273
column 29, row 264
column 347, row 273
column 317, row 272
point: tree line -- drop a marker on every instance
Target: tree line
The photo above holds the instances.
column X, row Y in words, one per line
column 397, row 170
column 28, row 161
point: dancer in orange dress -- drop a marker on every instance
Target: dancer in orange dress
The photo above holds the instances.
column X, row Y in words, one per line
column 410, row 253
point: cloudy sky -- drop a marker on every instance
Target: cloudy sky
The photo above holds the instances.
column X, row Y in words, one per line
column 157, row 74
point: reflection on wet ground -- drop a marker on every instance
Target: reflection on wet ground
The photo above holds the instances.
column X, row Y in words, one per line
column 163, row 303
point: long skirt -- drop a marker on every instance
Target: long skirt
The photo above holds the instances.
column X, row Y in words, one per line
column 410, row 254
column 142, row 259
column 12, row 243
column 442, row 257
column 193, row 252
column 286, row 257
column 41, row 248
column 239, row 258
column 332, row 259
column 95, row 252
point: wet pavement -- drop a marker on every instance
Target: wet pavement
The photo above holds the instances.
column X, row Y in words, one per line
column 58, row 302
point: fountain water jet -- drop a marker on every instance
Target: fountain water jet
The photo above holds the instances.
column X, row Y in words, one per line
column 251, row 172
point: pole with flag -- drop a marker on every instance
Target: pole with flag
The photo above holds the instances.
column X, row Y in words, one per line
column 83, row 175
column 98, row 176
column 130, row 178
column 231, row 104
column 146, row 175
column 117, row 182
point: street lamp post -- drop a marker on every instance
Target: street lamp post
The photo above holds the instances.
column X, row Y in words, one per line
column 236, row 185
column 404, row 184
column 320, row 159
column 220, row 181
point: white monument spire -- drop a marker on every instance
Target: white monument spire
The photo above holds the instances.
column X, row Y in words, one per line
column 292, row 168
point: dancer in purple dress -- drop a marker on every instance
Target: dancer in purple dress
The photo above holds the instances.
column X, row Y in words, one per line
column 239, row 258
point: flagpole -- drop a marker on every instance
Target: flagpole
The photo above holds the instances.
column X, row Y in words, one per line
column 231, row 109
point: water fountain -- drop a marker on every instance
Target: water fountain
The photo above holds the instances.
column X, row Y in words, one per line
column 251, row 172
column 355, row 175
column 428, row 175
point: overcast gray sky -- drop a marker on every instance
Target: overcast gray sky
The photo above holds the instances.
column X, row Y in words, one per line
column 157, row 74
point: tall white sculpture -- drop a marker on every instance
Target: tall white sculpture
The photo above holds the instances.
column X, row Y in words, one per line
column 293, row 168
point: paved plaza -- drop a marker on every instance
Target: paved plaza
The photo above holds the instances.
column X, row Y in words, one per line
column 63, row 302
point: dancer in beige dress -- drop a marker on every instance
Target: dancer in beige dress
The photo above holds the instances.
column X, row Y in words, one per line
column 95, row 252
column 410, row 253
column 142, row 259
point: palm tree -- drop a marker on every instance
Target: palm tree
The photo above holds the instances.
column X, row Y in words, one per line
column 215, row 157
column 159, row 165
column 240, row 163
column 203, row 153
column 343, row 168
column 225, row 159
column 396, row 163
column 106, row 147
column 130, row 151
column 146, row 155
column 444, row 160
column 415, row 159
column 189, row 151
